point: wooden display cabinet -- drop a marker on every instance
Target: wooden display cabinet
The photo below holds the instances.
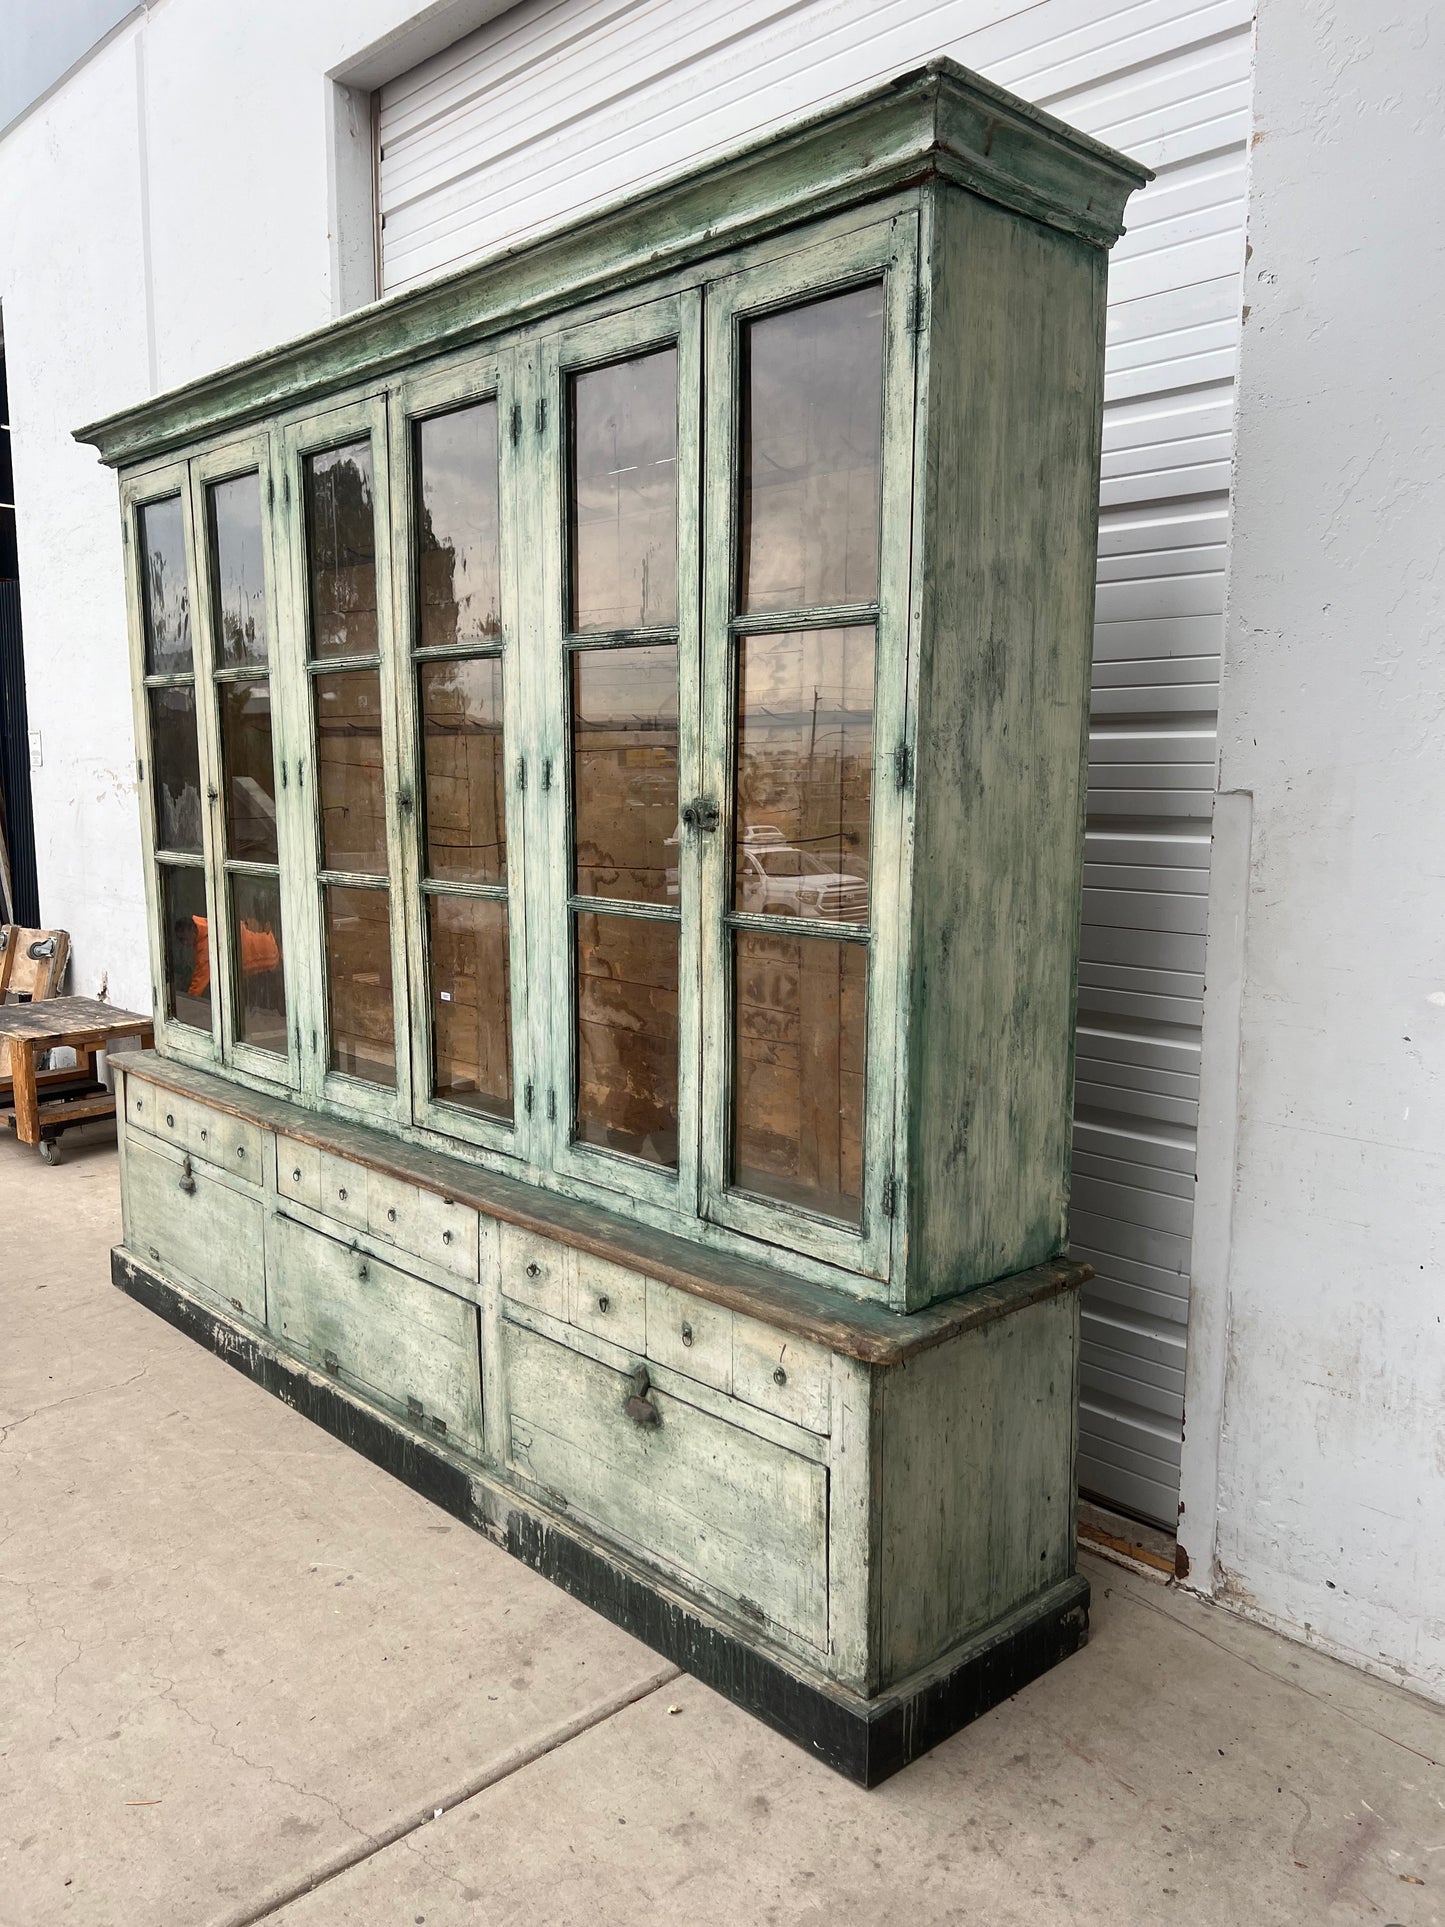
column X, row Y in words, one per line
column 612, row 734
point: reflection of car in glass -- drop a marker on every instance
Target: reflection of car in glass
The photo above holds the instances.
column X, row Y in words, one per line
column 776, row 878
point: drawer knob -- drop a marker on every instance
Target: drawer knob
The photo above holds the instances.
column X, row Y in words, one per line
column 391, row 1214
column 686, row 1332
column 780, row 1377
column 296, row 1175
column 604, row 1303
column 186, row 1181
column 446, row 1237
column 638, row 1405
column 534, row 1270
column 203, row 1137
column 342, row 1194
column 170, row 1121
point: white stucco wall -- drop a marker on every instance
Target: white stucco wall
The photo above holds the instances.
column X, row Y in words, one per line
column 1330, row 1342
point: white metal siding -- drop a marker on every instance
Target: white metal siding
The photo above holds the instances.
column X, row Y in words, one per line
column 560, row 105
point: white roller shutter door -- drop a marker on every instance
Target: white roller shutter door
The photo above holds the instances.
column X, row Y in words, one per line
column 559, row 106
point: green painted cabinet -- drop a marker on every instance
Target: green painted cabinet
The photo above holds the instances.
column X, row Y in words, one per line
column 612, row 725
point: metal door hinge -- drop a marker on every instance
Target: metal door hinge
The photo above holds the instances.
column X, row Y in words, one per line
column 915, row 309
column 213, row 795
column 527, row 1097
column 516, row 423
column 890, row 1196
column 522, row 773
column 551, row 1106
column 547, row 773
column 903, row 765
column 404, row 801
column 270, row 491
column 541, row 414
column 140, row 770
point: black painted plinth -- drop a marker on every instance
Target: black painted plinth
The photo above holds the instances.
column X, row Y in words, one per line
column 868, row 1740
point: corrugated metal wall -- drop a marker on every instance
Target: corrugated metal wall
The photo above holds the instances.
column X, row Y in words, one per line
column 560, row 105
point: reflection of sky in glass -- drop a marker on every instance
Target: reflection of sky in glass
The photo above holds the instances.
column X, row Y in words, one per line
column 624, row 494
column 458, row 557
column 812, row 454
column 164, row 589
column 341, row 534
column 238, row 571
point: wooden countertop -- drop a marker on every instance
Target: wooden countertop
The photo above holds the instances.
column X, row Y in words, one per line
column 836, row 1319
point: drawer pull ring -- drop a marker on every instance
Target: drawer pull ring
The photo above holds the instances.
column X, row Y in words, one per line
column 686, row 1333
column 780, row 1377
column 604, row 1303
column 296, row 1175
column 446, row 1237
column 342, row 1194
column 534, row 1270
column 391, row 1214
column 170, row 1120
column 186, row 1180
column 639, row 1406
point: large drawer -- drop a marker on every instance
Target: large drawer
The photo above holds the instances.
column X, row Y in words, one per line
column 743, row 1517
column 192, row 1225
column 399, row 1341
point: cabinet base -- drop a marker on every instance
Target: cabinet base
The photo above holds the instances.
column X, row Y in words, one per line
column 866, row 1740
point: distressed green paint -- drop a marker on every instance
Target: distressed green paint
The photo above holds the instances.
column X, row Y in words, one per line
column 939, row 123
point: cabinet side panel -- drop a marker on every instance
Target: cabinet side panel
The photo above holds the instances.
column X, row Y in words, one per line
column 1015, row 373
column 977, row 1481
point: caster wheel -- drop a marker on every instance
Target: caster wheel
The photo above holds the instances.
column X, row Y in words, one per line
column 49, row 1151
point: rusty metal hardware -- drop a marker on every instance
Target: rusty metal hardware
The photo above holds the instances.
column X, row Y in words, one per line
column 331, row 1361
column 391, row 1214
column 413, row 1407
column 187, row 1179
column 780, row 1377
column 446, row 1237
column 604, row 1303
column 686, row 1332
column 534, row 1270
column 638, row 1405
column 701, row 817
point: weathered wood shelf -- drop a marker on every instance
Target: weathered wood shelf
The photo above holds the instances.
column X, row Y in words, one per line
column 612, row 729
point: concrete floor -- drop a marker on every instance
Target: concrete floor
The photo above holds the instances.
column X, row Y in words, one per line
column 240, row 1669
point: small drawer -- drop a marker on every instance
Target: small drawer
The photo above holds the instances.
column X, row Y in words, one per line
column 343, row 1190
column 227, row 1141
column 784, row 1375
column 690, row 1335
column 430, row 1227
column 140, row 1104
column 170, row 1118
column 610, row 1301
column 535, row 1271
column 298, row 1171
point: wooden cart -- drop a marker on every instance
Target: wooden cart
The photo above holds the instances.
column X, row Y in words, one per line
column 45, row 1103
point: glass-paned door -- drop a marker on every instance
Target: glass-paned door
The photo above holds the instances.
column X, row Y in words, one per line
column 233, row 493
column 336, row 480
column 618, row 778
column 810, row 379
column 461, row 707
column 169, row 733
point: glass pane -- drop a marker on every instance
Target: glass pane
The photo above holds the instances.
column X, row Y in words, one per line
column 624, row 494
column 257, row 960
column 624, row 772
column 248, row 776
column 238, row 572
column 175, row 768
column 812, row 439
column 341, row 551
column 459, row 569
column 165, row 592
column 465, row 770
column 348, row 751
column 627, row 1036
column 799, row 1025
column 804, row 771
column 358, row 977
column 471, row 1008
column 186, row 935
